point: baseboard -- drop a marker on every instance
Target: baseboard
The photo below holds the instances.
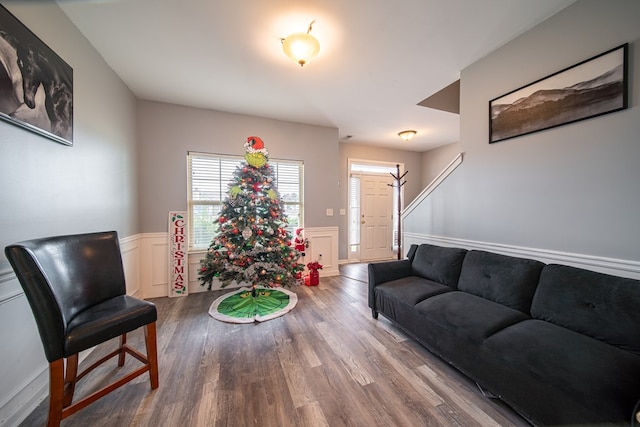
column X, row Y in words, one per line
column 616, row 267
column 15, row 409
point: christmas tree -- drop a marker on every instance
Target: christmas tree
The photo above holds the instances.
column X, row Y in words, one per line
column 252, row 244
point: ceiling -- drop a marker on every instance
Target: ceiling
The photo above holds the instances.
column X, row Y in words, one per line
column 378, row 58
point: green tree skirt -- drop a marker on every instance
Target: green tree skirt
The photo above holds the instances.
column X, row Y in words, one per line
column 240, row 307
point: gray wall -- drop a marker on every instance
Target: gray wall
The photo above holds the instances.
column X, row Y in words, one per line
column 413, row 186
column 435, row 160
column 167, row 132
column 49, row 188
column 573, row 188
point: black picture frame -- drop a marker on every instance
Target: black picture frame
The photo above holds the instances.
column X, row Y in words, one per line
column 591, row 88
column 36, row 85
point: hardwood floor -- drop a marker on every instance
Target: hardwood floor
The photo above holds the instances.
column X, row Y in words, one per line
column 326, row 363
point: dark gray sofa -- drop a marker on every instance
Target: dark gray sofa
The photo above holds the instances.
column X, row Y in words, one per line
column 560, row 345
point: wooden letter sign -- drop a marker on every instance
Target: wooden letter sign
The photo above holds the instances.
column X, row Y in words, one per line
column 178, row 265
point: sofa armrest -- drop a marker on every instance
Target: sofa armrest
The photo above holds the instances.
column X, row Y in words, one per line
column 383, row 272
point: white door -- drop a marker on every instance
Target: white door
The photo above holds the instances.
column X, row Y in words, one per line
column 376, row 225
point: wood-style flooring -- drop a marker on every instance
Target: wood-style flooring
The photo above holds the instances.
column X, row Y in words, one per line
column 326, row 363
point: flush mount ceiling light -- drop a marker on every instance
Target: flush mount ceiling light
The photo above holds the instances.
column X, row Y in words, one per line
column 407, row 134
column 301, row 47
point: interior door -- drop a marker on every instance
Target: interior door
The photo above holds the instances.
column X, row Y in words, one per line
column 376, row 225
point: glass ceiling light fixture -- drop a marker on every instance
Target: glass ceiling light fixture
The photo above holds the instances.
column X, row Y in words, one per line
column 301, row 47
column 406, row 135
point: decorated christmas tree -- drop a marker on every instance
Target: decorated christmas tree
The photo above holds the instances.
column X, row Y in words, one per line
column 252, row 244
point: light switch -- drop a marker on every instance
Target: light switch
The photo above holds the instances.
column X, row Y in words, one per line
column 343, row 211
column 329, row 212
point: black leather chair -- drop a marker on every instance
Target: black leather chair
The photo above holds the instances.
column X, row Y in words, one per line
column 76, row 288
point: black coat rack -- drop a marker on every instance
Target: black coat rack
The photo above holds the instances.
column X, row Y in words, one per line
column 399, row 183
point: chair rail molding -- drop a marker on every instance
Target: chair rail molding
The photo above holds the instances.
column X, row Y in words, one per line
column 616, row 267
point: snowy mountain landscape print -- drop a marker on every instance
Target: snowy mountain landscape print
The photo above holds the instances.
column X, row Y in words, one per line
column 591, row 88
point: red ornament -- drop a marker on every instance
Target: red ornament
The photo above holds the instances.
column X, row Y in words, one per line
column 255, row 142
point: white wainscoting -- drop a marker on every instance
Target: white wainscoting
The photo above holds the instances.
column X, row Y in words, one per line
column 617, row 267
column 154, row 264
column 131, row 254
column 323, row 247
column 24, row 371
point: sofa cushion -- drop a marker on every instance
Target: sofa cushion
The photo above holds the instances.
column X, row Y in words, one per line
column 599, row 305
column 503, row 279
column 396, row 299
column 438, row 263
column 465, row 317
column 591, row 382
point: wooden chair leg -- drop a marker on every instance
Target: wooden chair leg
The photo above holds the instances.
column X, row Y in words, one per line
column 123, row 342
column 152, row 353
column 61, row 388
column 56, row 392
column 70, row 380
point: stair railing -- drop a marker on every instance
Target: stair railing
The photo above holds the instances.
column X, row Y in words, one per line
column 433, row 185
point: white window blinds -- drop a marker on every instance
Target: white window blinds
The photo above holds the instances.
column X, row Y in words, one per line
column 209, row 176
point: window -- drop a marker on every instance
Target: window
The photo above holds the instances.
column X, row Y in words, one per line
column 354, row 213
column 208, row 179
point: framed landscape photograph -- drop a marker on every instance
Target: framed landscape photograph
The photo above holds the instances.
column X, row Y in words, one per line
column 588, row 89
column 36, row 85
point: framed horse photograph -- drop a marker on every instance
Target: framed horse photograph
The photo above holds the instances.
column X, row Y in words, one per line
column 36, row 85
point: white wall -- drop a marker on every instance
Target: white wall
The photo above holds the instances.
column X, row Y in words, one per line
column 49, row 188
column 571, row 189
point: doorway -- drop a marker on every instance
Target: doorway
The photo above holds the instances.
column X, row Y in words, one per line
column 372, row 210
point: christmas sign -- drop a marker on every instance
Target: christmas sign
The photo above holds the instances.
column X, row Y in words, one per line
column 178, row 265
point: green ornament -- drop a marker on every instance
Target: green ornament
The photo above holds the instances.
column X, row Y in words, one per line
column 257, row 160
column 272, row 194
column 235, row 190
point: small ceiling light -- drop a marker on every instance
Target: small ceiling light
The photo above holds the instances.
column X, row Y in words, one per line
column 301, row 47
column 407, row 134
